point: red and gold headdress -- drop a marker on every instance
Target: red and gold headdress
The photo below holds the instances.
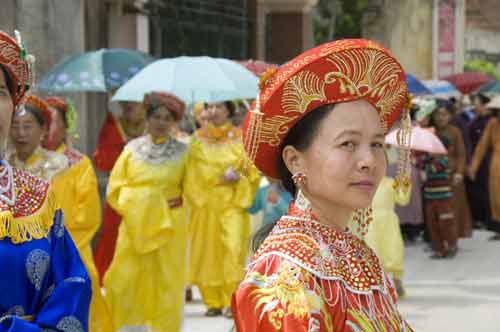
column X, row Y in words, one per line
column 168, row 100
column 58, row 103
column 69, row 112
column 334, row 72
column 17, row 63
column 40, row 105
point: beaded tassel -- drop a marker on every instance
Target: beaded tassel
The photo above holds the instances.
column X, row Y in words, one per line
column 402, row 179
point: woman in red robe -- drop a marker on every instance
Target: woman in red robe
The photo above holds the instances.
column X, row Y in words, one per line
column 319, row 126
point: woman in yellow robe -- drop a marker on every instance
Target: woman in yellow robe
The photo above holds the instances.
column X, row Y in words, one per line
column 384, row 233
column 145, row 282
column 79, row 198
column 219, row 189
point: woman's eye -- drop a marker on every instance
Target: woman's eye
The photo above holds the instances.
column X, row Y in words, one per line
column 348, row 145
column 378, row 145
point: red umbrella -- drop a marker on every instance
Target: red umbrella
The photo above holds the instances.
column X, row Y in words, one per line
column 468, row 81
column 256, row 66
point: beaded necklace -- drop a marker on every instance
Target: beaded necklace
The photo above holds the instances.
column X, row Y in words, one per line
column 7, row 185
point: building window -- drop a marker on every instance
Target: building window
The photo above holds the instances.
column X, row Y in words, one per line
column 216, row 28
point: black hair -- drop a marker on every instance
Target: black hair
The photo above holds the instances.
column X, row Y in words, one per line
column 231, row 107
column 413, row 112
column 300, row 137
column 8, row 81
column 36, row 113
column 483, row 99
column 261, row 235
column 446, row 104
column 441, row 103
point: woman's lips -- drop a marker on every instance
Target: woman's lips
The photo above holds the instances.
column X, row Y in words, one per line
column 364, row 185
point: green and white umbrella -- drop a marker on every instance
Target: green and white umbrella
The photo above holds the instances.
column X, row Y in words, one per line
column 97, row 71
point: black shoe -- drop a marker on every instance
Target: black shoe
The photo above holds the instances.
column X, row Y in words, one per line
column 213, row 312
column 400, row 290
column 189, row 295
column 451, row 253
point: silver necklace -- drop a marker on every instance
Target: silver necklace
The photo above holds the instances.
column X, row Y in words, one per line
column 8, row 186
column 145, row 149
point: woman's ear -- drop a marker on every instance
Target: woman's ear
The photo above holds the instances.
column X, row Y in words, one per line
column 293, row 159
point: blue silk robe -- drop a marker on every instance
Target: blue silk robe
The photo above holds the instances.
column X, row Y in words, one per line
column 43, row 283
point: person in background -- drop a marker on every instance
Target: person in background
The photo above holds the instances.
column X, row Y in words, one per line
column 462, row 118
column 145, row 281
column 116, row 131
column 273, row 200
column 44, row 284
column 452, row 139
column 439, row 211
column 29, row 128
column 478, row 189
column 200, row 115
column 219, row 189
column 80, row 201
column 490, row 140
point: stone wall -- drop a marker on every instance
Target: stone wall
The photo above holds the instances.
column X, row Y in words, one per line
column 51, row 30
column 406, row 28
column 54, row 29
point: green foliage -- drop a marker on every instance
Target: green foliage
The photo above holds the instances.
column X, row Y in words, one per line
column 482, row 66
column 337, row 19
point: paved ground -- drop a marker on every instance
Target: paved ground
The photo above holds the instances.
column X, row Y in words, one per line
column 460, row 295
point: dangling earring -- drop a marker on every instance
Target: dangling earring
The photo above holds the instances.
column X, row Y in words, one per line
column 363, row 218
column 301, row 201
column 402, row 180
column 299, row 179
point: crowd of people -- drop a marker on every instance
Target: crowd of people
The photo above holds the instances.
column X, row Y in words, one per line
column 309, row 157
column 454, row 193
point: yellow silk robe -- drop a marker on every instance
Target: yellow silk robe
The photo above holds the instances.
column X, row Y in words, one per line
column 78, row 194
column 75, row 187
column 220, row 225
column 145, row 281
column 384, row 234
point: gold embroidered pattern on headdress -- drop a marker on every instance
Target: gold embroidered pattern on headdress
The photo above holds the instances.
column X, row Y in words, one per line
column 301, row 90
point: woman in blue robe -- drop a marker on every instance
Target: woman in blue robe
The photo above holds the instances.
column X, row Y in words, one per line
column 43, row 285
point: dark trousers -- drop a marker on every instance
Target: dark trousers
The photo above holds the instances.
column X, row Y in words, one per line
column 441, row 224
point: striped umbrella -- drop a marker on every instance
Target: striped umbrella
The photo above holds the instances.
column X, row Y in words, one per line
column 415, row 87
column 442, row 89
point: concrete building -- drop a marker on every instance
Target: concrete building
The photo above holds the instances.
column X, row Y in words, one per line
column 482, row 35
column 427, row 36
